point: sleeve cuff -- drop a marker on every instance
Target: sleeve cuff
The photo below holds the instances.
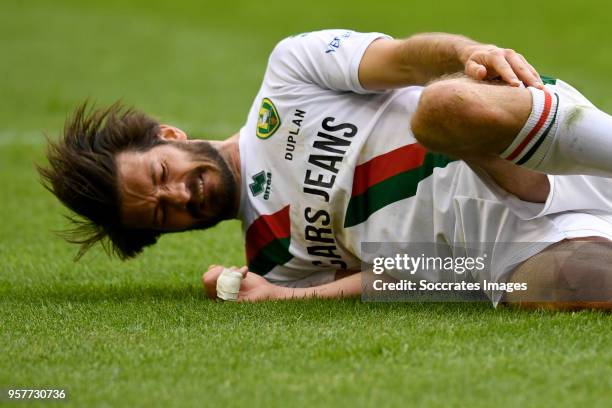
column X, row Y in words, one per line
column 356, row 60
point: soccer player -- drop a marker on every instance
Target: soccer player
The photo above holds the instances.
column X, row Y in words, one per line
column 358, row 137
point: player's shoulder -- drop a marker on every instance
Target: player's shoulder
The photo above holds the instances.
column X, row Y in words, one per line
column 328, row 40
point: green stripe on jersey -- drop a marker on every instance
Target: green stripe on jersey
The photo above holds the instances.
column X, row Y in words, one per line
column 273, row 254
column 548, row 80
column 398, row 187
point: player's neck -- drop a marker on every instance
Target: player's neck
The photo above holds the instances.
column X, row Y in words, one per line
column 229, row 149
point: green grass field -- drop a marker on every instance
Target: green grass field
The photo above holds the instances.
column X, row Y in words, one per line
column 141, row 333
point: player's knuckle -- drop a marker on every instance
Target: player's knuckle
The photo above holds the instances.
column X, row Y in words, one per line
column 208, row 279
column 434, row 97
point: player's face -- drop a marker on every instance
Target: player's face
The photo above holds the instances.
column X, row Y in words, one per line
column 175, row 186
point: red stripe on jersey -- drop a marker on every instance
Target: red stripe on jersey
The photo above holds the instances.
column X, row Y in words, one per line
column 266, row 229
column 387, row 165
column 536, row 129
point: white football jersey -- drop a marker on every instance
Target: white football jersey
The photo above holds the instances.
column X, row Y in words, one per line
column 327, row 165
column 321, row 156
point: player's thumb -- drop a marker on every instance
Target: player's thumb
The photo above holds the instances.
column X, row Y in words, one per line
column 475, row 70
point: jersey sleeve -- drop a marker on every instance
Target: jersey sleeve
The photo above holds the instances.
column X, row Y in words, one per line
column 328, row 58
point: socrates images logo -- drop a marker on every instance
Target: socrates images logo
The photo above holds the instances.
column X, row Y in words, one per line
column 268, row 120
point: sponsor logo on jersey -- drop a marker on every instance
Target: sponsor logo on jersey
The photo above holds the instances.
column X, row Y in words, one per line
column 329, row 147
column 292, row 137
column 262, row 182
column 268, row 120
column 335, row 43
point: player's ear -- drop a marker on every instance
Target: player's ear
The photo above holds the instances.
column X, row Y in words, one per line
column 168, row 132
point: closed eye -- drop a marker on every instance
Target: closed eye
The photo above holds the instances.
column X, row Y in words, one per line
column 164, row 180
column 160, row 208
column 164, row 176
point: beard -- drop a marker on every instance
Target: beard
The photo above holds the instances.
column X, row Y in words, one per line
column 221, row 201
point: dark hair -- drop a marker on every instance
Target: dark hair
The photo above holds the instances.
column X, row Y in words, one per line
column 82, row 174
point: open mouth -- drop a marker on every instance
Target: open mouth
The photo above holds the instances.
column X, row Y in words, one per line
column 196, row 204
column 203, row 190
column 200, row 188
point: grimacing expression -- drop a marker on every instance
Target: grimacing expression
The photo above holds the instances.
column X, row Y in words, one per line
column 175, row 186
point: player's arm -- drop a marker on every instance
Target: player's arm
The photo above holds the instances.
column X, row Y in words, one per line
column 255, row 288
column 418, row 59
column 349, row 286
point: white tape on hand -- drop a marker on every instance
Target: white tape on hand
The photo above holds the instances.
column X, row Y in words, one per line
column 228, row 284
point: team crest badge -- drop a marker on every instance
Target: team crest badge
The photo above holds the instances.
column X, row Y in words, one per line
column 268, row 120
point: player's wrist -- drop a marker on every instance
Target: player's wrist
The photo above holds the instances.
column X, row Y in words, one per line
column 465, row 47
column 282, row 292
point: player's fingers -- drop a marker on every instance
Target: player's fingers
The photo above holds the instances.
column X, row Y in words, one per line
column 209, row 280
column 534, row 71
column 521, row 69
column 244, row 270
column 475, row 70
column 207, row 284
column 497, row 60
column 214, row 270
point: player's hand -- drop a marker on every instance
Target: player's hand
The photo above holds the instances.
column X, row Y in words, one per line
column 209, row 280
column 254, row 288
column 484, row 62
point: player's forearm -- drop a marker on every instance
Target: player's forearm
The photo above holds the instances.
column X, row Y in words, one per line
column 342, row 288
column 416, row 60
column 427, row 56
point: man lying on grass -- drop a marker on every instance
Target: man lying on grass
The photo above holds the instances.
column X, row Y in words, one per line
column 358, row 137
